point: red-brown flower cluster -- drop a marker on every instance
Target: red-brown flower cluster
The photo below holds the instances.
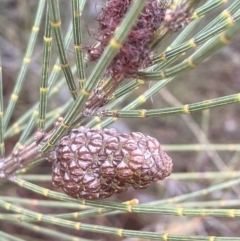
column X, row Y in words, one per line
column 135, row 52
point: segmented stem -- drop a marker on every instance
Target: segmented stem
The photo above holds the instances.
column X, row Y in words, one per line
column 202, row 53
column 77, row 34
column 47, row 231
column 207, row 7
column 222, row 22
column 25, row 63
column 137, row 102
column 202, row 147
column 56, row 26
column 18, row 126
column 108, row 230
column 175, row 176
column 164, row 31
column 185, row 109
column 45, row 69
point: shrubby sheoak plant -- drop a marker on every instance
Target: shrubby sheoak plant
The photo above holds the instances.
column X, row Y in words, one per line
column 90, row 161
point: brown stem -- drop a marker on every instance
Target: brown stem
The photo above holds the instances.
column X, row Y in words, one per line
column 19, row 159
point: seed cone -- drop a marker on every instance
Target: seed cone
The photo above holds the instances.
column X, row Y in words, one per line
column 93, row 164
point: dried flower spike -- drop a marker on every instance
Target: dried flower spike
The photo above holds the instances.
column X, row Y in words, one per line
column 136, row 51
column 93, row 164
